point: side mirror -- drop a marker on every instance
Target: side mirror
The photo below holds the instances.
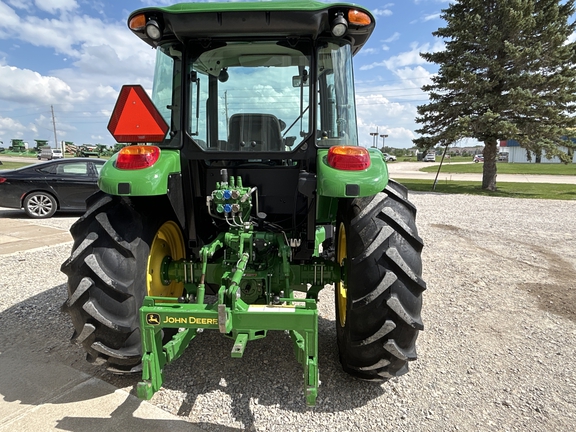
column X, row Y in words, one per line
column 300, row 81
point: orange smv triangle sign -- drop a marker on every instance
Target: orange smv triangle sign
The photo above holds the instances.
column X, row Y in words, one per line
column 135, row 119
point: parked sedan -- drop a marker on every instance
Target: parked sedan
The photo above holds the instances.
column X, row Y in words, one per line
column 389, row 157
column 45, row 187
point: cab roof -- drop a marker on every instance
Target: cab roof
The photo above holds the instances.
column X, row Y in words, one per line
column 245, row 20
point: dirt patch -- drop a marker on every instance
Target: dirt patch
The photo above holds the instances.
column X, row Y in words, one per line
column 559, row 295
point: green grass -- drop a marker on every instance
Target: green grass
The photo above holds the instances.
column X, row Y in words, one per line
column 505, row 189
column 506, row 168
column 438, row 159
column 25, row 154
column 12, row 165
column 453, row 159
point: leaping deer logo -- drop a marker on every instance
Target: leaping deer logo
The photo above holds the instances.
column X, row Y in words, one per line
column 153, row 319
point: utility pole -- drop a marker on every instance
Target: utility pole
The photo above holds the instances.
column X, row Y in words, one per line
column 54, row 125
column 383, row 136
column 226, row 109
column 374, row 136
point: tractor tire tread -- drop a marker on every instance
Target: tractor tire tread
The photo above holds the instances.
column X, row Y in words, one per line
column 384, row 285
column 105, row 285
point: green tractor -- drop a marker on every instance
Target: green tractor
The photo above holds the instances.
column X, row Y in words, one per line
column 244, row 194
column 87, row 150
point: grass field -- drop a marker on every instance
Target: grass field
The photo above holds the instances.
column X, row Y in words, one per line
column 506, row 168
column 12, row 165
column 510, row 190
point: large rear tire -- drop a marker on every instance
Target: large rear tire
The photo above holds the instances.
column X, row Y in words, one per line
column 118, row 247
column 379, row 300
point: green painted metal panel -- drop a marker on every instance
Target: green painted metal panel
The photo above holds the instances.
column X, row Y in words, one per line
column 326, row 209
column 142, row 182
column 295, row 5
column 333, row 182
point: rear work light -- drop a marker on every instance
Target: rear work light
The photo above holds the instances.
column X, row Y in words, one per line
column 348, row 158
column 137, row 157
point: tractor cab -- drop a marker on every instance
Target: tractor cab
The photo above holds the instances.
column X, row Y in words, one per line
column 271, row 81
column 254, row 99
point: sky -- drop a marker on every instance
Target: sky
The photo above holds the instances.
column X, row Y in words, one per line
column 71, row 57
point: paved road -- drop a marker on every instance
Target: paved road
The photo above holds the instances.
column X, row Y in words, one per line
column 410, row 170
column 38, row 391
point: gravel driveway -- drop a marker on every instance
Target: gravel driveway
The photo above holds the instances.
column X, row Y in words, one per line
column 498, row 351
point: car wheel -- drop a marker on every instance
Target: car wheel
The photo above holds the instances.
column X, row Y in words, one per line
column 40, row 205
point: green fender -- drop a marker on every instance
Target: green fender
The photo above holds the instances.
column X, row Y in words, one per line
column 141, row 182
column 333, row 183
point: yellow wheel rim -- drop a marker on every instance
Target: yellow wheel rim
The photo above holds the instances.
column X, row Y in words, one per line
column 168, row 242
column 341, row 291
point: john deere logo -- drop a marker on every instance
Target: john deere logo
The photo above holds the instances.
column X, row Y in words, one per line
column 153, row 319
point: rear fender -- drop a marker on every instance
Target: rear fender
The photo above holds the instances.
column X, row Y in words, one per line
column 334, row 183
column 149, row 181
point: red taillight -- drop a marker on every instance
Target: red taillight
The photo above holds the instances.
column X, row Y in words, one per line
column 137, row 157
column 2, row 179
column 348, row 158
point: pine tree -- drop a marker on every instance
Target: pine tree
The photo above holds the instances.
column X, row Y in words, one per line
column 507, row 72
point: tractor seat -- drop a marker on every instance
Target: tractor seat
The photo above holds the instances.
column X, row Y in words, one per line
column 254, row 132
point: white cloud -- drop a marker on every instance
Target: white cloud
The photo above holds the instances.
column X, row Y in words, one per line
column 166, row 2
column 9, row 18
column 377, row 112
column 368, row 51
column 11, row 128
column 431, row 17
column 390, row 105
column 392, row 38
column 101, row 55
column 21, row 4
column 407, row 58
column 71, row 35
column 23, row 85
column 52, row 6
column 418, row 76
column 382, row 12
